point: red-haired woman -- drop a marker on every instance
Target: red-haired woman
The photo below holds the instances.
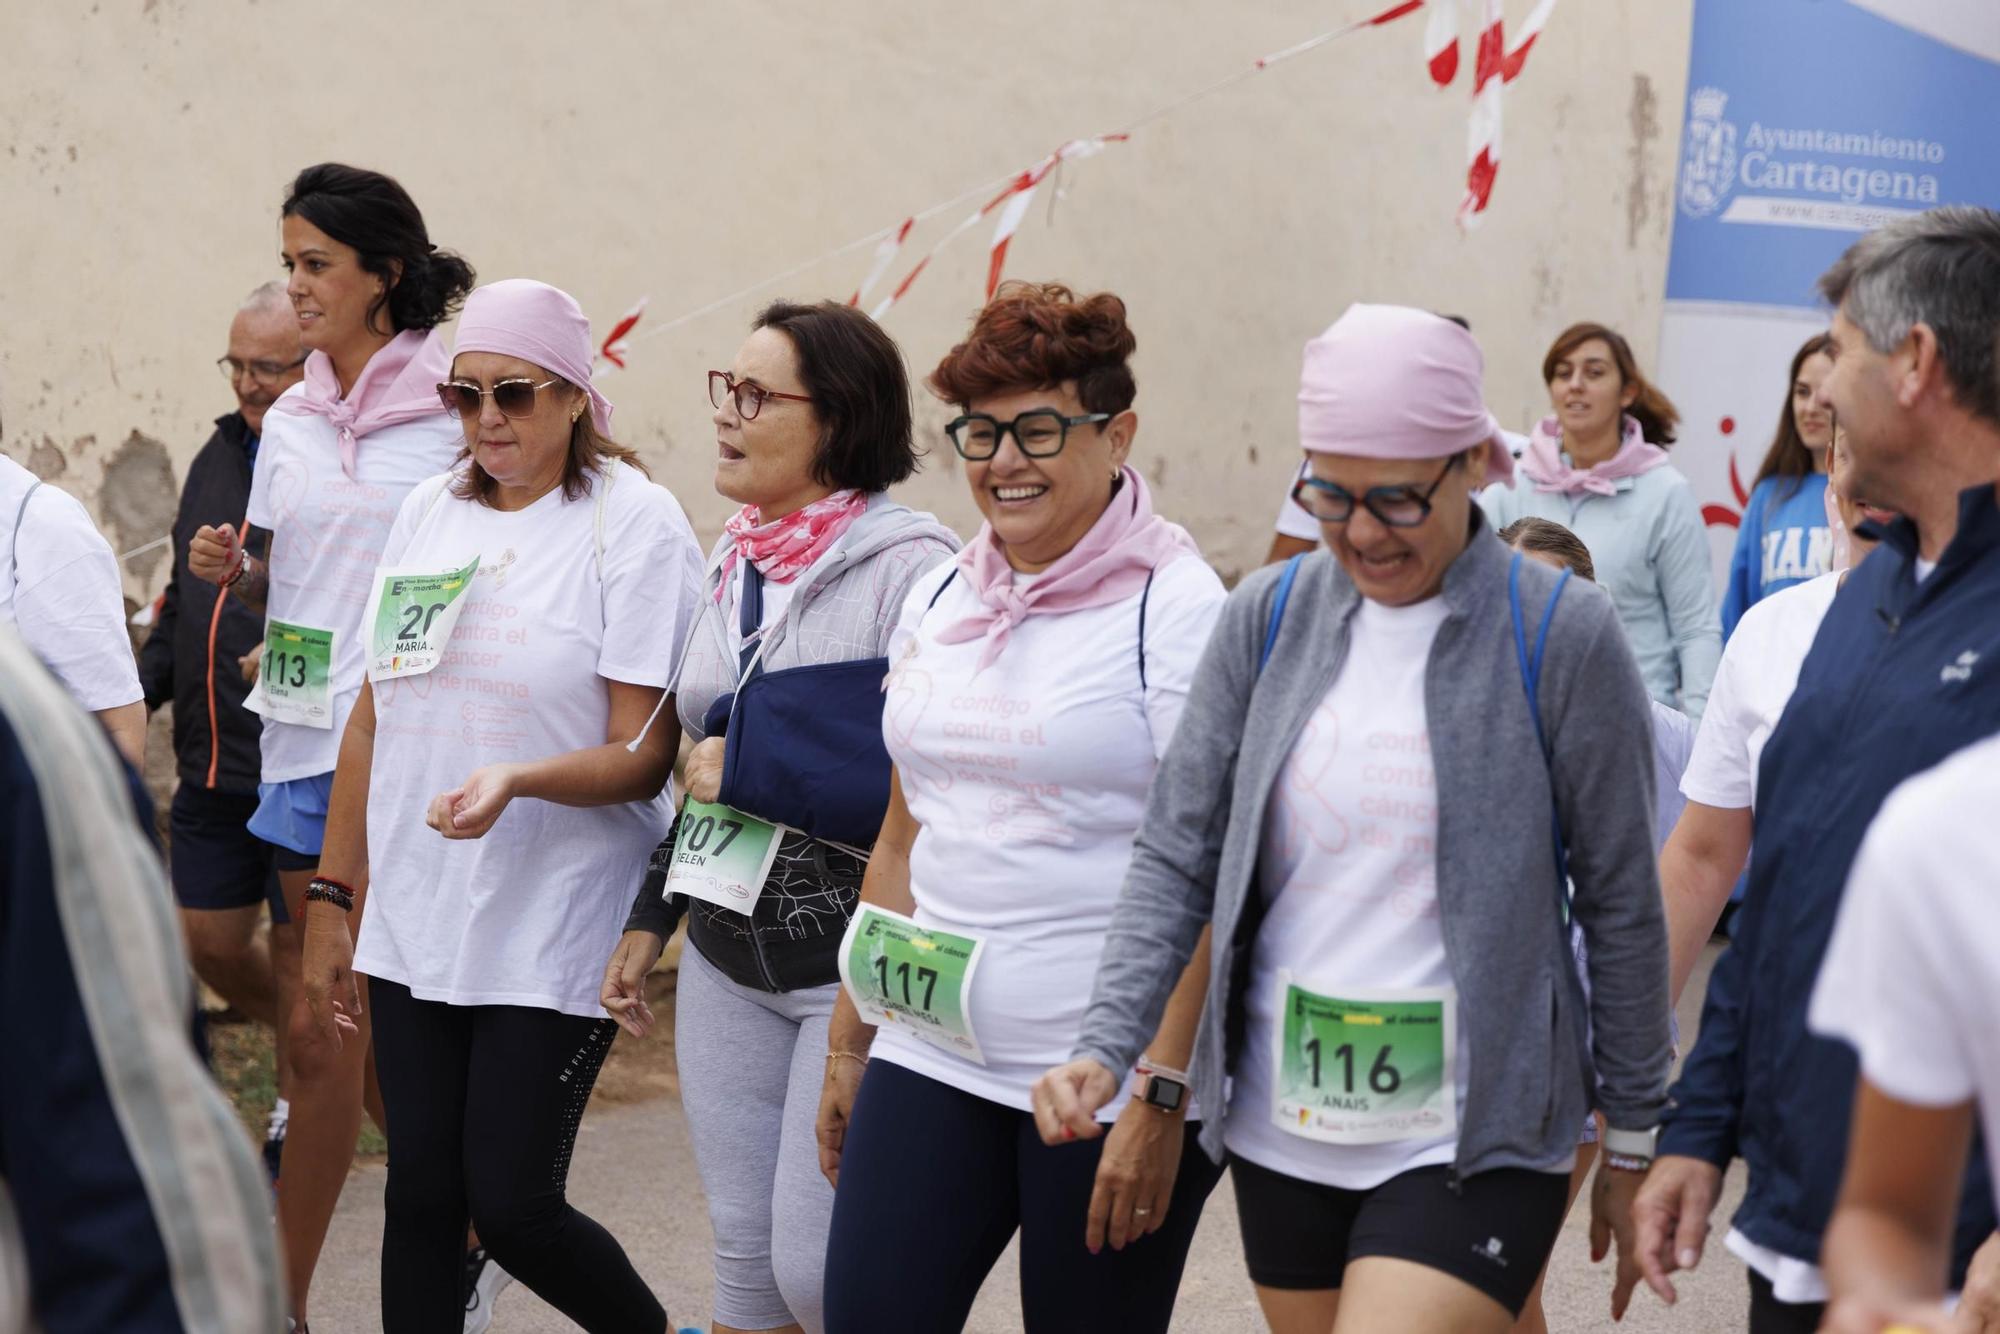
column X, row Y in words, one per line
column 1598, row 466
column 1784, row 539
column 1037, row 680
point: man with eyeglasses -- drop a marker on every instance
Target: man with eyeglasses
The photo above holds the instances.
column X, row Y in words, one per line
column 199, row 657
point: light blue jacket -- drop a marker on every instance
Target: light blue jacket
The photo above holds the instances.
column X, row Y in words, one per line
column 1651, row 554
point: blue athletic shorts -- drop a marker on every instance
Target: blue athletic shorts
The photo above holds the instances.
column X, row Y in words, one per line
column 292, row 815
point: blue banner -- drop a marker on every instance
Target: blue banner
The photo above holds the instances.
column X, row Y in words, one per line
column 1811, row 121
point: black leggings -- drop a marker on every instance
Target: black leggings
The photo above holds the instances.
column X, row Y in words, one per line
column 483, row 1104
column 933, row 1184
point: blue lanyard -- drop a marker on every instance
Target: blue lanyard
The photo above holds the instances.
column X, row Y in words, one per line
column 1531, row 680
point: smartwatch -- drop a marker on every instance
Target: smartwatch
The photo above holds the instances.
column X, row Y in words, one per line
column 1629, row 1150
column 1162, row 1088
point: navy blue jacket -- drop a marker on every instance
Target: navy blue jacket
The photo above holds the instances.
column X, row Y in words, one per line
column 1901, row 675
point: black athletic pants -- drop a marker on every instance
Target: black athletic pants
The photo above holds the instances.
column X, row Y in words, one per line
column 933, row 1184
column 1768, row 1315
column 483, row 1104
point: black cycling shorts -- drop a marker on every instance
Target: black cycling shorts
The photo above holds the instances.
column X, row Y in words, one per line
column 1494, row 1231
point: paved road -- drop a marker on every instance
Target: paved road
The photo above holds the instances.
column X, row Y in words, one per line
column 634, row 1172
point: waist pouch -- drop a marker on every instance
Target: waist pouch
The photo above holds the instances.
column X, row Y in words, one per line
column 805, row 749
column 792, row 940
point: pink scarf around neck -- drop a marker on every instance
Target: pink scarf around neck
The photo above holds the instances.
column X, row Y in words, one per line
column 783, row 549
column 1111, row 563
column 1550, row 471
column 399, row 384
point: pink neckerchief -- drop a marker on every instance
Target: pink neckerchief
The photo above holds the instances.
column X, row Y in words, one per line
column 1112, row 562
column 1546, row 467
column 785, row 548
column 399, row 384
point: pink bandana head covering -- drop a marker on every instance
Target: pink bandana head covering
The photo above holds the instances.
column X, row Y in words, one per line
column 399, row 384
column 783, row 549
column 1111, row 563
column 1389, row 382
column 1550, row 469
column 519, row 317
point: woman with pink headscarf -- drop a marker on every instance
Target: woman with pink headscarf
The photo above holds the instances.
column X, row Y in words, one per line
column 498, row 791
column 1396, row 1050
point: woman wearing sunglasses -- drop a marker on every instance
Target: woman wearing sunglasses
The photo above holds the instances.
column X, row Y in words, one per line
column 781, row 687
column 1038, row 680
column 1359, row 809
column 498, row 790
column 338, row 454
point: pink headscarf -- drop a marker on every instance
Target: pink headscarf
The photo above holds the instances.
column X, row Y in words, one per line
column 1389, row 382
column 1546, row 467
column 1111, row 563
column 399, row 384
column 519, row 317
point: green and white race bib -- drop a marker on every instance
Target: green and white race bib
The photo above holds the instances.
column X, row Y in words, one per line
column 721, row 856
column 914, row 980
column 415, row 610
column 1367, row 1067
column 293, row 677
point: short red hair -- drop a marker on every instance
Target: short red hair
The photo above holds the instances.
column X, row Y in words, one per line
column 1039, row 336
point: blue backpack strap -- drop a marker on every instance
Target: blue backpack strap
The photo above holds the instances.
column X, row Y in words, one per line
column 1145, row 596
column 1531, row 681
column 1278, row 601
column 941, row 588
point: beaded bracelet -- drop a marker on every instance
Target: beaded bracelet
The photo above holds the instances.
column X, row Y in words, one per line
column 242, row 568
column 330, row 891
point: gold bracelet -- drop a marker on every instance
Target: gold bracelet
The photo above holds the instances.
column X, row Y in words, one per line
column 850, row 1055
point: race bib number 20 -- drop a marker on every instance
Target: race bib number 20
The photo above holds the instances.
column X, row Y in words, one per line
column 415, row 612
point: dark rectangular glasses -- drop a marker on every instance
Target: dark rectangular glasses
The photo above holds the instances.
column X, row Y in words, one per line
column 1040, row 433
column 1396, row 506
column 514, row 398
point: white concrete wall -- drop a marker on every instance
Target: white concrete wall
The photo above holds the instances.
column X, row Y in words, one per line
column 684, row 150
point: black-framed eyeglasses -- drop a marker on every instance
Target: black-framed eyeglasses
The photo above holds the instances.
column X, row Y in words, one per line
column 1040, row 432
column 1396, row 506
column 267, row 372
column 514, row 397
column 749, row 396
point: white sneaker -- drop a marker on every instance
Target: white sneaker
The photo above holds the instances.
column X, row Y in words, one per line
column 486, row 1281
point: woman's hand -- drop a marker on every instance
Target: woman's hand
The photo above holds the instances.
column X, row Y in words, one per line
column 1067, row 1098
column 1135, row 1175
column 836, row 1109
column 332, row 994
column 469, row 811
column 703, row 774
column 214, row 553
column 250, row 662
column 624, row 993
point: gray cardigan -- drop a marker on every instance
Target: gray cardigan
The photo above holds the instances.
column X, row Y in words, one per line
column 1532, row 1073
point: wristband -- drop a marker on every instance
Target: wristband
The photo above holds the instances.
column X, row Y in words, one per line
column 242, row 567
column 1631, row 1143
column 319, row 890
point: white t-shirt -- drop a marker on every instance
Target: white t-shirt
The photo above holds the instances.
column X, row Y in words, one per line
column 65, row 598
column 1349, row 870
column 1759, row 670
column 528, row 914
column 1029, row 780
column 327, row 532
column 1912, row 975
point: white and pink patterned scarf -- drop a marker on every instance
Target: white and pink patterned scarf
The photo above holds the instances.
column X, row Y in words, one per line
column 785, row 548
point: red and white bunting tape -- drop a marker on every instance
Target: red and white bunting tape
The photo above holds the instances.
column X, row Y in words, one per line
column 1531, row 28
column 885, row 255
column 1483, row 128
column 614, row 346
column 1441, row 41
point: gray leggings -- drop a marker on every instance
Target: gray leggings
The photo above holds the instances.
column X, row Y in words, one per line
column 751, row 1066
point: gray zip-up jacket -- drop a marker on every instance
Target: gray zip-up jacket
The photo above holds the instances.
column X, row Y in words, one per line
column 1531, row 1076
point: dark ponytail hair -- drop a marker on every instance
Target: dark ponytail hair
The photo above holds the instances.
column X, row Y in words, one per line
column 1653, row 410
column 1788, row 457
column 376, row 216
